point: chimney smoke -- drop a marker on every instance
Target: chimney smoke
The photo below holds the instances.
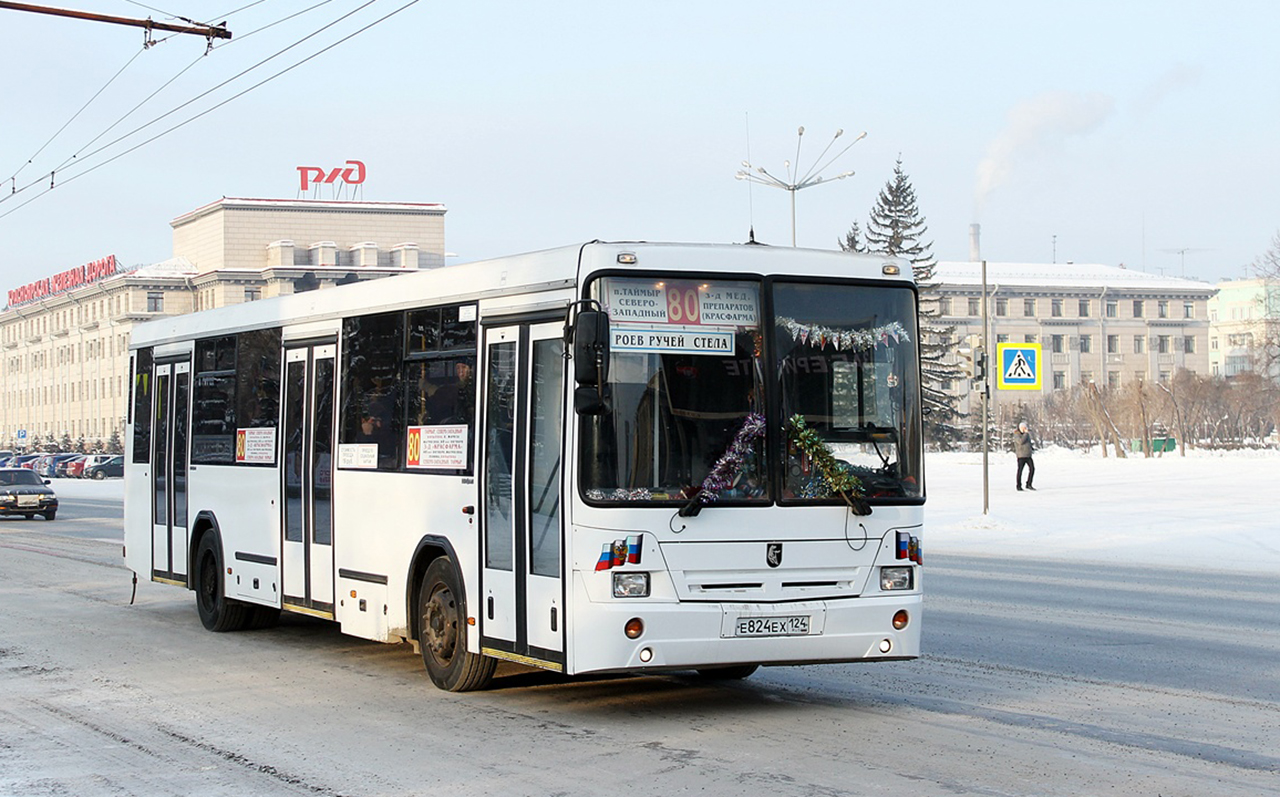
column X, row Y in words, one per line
column 975, row 251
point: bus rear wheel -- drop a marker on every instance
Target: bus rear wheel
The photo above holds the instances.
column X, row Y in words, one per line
column 217, row 611
column 442, row 632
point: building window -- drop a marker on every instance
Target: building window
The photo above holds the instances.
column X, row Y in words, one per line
column 1029, row 338
column 1162, row 344
column 974, row 307
column 1162, row 309
column 252, row 294
column 944, row 305
column 1137, row 308
column 1113, row 380
column 1113, row 344
column 1086, row 377
column 1055, row 342
column 1029, row 307
column 1002, row 307
column 1189, row 344
column 155, row 302
column 1188, row 309
column 1213, row 344
column 1055, row 308
column 1139, row 344
column 1086, row 344
column 1002, row 338
column 1084, row 308
column 1164, row 377
column 1059, row 380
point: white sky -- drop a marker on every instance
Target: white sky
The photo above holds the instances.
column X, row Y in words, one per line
column 1125, row 129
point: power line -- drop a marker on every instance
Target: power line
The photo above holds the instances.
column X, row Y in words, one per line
column 172, row 111
column 14, row 176
column 185, row 69
column 284, row 71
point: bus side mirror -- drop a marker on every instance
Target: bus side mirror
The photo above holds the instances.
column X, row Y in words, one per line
column 590, row 362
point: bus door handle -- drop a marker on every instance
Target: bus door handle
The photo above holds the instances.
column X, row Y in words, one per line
column 468, row 510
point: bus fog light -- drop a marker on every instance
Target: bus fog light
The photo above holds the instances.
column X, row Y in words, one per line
column 630, row 585
column 634, row 628
column 896, row 578
column 646, row 655
column 900, row 619
column 886, row 645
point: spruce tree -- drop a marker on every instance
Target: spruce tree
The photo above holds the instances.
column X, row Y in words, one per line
column 897, row 229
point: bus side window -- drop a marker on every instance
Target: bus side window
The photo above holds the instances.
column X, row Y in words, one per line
column 372, row 410
column 142, row 406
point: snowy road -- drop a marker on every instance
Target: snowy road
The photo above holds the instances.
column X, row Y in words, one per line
column 1041, row 678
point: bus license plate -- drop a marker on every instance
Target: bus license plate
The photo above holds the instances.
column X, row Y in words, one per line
column 794, row 625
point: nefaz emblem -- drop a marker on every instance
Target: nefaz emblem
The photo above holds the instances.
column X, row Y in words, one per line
column 773, row 554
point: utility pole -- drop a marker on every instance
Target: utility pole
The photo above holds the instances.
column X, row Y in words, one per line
column 208, row 31
column 986, row 392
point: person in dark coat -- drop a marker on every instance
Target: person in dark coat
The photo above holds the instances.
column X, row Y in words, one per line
column 1022, row 446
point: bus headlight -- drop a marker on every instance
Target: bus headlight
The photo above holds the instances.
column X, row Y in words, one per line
column 630, row 585
column 896, row 578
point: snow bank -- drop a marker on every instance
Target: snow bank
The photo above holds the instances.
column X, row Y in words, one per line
column 1217, row 510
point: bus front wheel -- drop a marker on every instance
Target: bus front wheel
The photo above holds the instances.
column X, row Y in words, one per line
column 217, row 611
column 442, row 632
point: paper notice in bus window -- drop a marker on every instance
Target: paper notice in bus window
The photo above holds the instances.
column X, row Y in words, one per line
column 438, row 447
column 358, row 455
column 670, row 340
column 256, row 446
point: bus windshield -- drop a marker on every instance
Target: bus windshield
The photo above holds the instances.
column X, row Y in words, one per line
column 688, row 417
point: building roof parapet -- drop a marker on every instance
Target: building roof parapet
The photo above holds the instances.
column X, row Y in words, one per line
column 313, row 206
column 1064, row 276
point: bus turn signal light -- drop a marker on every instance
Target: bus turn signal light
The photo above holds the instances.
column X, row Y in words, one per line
column 634, row 628
column 900, row 619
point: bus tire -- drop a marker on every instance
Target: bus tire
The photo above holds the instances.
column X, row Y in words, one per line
column 442, row 632
column 736, row 673
column 217, row 611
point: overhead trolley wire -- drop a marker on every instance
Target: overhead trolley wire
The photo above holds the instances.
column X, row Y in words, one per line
column 184, row 70
column 14, row 177
column 52, row 174
column 233, row 97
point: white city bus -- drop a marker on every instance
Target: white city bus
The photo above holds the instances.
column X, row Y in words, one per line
column 612, row 457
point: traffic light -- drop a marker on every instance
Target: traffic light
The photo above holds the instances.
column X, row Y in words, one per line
column 974, row 359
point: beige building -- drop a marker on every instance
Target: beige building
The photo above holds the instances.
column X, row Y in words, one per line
column 1094, row 323
column 65, row 338
column 1243, row 315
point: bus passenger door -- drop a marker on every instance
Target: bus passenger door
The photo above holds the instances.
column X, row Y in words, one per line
column 522, row 607
column 170, row 425
column 307, row 548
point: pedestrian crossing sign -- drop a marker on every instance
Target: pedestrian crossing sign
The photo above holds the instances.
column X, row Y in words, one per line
column 1019, row 366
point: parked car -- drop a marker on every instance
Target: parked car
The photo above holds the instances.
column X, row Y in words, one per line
column 48, row 464
column 77, row 468
column 22, row 492
column 113, row 466
column 23, row 460
column 62, row 468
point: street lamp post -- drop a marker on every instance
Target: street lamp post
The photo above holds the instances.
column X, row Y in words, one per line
column 798, row 180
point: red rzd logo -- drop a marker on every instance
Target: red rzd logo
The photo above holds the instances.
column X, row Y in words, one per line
column 353, row 174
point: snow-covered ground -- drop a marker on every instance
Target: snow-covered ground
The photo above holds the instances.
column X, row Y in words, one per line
column 1216, row 510
column 1219, row 511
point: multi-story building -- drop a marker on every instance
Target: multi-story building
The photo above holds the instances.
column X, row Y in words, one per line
column 1243, row 317
column 65, row 338
column 1102, row 324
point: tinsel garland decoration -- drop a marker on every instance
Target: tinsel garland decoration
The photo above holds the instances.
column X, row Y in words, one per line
column 835, row 475
column 730, row 464
column 619, row 494
column 844, row 339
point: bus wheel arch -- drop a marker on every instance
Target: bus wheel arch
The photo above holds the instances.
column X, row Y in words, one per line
column 438, row 612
